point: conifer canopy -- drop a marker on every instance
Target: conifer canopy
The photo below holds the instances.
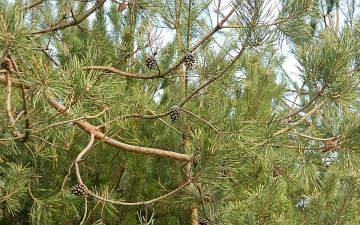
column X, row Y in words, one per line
column 179, row 112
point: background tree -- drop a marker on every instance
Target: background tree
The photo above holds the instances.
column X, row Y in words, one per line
column 179, row 112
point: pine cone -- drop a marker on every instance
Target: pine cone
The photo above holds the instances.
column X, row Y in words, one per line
column 7, row 65
column 277, row 171
column 330, row 144
column 122, row 6
column 174, row 112
column 150, row 62
column 79, row 190
column 203, row 222
column 189, row 60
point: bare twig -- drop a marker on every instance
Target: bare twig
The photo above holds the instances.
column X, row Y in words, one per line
column 67, row 176
column 110, row 69
column 312, row 138
column 183, row 101
column 49, row 143
column 35, row 199
column 167, row 124
column 71, row 121
column 8, row 98
column 25, row 110
column 32, row 5
column 79, row 158
column 203, row 203
column 301, row 109
column 85, row 211
column 139, row 203
column 300, row 120
column 199, row 118
column 97, row 6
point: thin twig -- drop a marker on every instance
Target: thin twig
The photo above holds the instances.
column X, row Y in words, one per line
column 71, row 121
column 348, row 192
column 203, row 203
column 139, row 203
column 199, row 118
column 25, row 110
column 97, row 6
column 35, row 199
column 32, row 5
column 231, row 64
column 167, row 124
column 300, row 120
column 79, row 158
column 301, row 109
column 8, row 98
column 67, row 175
column 85, row 211
column 51, row 144
column 312, row 138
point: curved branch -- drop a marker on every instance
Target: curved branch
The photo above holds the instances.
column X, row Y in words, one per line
column 74, row 22
column 32, row 5
column 79, row 158
column 101, row 136
column 117, row 144
column 139, row 203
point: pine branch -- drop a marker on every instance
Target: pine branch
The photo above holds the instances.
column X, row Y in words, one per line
column 32, row 5
column 15, row 82
column 99, row 135
column 85, row 211
column 212, row 79
column 25, row 110
column 286, row 129
column 140, row 203
column 80, row 158
column 117, row 144
column 110, row 69
column 348, row 191
column 74, row 22
column 301, row 109
column 8, row 98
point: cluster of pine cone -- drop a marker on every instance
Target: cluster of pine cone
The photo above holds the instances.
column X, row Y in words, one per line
column 188, row 60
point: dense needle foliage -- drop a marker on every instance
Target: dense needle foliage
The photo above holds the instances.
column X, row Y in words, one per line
column 179, row 112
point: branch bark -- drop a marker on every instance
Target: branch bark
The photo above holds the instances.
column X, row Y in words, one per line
column 74, row 22
column 112, row 142
column 99, row 135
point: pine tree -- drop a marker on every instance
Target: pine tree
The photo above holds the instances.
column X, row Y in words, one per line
column 216, row 130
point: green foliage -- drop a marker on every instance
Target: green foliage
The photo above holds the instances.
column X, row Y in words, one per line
column 255, row 134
